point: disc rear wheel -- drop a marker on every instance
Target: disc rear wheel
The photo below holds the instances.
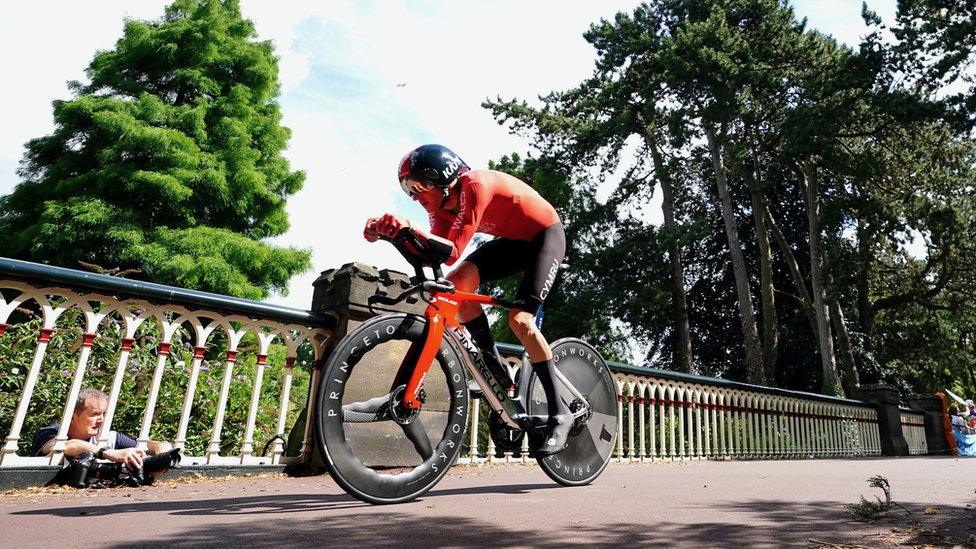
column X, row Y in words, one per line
column 592, row 438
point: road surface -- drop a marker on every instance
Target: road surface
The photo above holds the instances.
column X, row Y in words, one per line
column 689, row 504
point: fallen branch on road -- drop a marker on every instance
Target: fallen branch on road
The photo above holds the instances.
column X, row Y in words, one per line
column 869, row 511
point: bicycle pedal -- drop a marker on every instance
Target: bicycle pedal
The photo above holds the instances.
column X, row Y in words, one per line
column 534, row 423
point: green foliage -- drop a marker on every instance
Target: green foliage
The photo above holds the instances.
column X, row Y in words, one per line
column 17, row 348
column 894, row 166
column 936, row 40
column 168, row 162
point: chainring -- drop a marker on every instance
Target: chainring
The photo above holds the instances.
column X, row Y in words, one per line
column 505, row 438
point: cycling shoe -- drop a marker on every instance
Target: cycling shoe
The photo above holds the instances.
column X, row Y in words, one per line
column 557, row 434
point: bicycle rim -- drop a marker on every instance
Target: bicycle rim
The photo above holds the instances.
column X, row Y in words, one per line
column 369, row 454
column 590, row 447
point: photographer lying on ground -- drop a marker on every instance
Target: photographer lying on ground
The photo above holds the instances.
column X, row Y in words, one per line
column 82, row 445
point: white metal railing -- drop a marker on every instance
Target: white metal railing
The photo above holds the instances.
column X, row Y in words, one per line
column 670, row 416
column 107, row 316
column 661, row 415
column 913, row 427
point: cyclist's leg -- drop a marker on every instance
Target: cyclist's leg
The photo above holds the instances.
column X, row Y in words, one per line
column 541, row 265
column 523, row 325
column 549, row 247
column 493, row 260
column 466, row 279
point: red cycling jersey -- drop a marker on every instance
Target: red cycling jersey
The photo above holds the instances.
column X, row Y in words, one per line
column 493, row 203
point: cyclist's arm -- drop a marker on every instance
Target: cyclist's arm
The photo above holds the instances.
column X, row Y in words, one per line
column 386, row 225
column 390, row 225
column 467, row 221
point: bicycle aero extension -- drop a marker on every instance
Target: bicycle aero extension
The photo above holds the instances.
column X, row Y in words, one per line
column 391, row 442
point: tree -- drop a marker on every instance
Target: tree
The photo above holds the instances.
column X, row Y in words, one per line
column 936, row 41
column 916, row 308
column 887, row 167
column 794, row 169
column 591, row 125
column 167, row 162
column 732, row 63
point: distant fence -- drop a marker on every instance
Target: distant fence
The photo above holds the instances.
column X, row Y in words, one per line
column 913, row 426
column 671, row 416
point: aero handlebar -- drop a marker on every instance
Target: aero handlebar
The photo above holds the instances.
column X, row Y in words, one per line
column 425, row 286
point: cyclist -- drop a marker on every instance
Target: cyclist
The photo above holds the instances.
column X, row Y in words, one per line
column 529, row 239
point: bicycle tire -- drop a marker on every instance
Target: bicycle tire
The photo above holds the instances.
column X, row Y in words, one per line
column 336, row 409
column 590, row 446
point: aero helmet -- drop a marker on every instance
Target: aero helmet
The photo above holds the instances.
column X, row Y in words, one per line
column 432, row 165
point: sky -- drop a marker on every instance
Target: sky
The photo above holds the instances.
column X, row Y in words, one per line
column 362, row 84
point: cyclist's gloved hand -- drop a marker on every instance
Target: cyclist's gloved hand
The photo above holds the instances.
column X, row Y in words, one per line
column 389, row 225
column 369, row 232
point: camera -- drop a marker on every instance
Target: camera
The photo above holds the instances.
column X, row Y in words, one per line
column 84, row 470
column 155, row 464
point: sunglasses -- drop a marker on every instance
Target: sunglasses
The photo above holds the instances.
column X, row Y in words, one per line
column 413, row 187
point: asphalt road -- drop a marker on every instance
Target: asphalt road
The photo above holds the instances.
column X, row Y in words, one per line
column 691, row 504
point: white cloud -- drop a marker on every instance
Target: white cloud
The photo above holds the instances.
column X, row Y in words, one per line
column 842, row 18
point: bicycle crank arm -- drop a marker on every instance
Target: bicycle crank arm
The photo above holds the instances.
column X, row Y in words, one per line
column 368, row 411
column 540, row 421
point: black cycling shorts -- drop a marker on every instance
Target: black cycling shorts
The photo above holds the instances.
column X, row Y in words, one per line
column 539, row 259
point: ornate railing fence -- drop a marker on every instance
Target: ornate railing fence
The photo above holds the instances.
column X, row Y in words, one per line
column 112, row 320
column 170, row 359
column 913, row 426
column 671, row 416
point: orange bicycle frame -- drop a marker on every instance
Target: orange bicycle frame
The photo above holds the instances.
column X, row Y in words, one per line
column 441, row 313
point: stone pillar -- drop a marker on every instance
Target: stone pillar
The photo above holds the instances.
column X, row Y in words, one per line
column 935, row 434
column 887, row 402
column 343, row 293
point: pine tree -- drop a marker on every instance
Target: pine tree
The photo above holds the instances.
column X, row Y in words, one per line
column 168, row 162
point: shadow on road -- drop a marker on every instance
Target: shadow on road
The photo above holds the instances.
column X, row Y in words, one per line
column 337, row 519
column 270, row 504
column 764, row 524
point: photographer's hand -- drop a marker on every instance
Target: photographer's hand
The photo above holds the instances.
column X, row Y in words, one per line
column 156, row 448
column 130, row 457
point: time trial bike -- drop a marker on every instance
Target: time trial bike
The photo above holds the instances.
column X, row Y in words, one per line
column 392, row 442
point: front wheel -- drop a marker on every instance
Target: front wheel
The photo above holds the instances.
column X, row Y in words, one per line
column 375, row 450
column 591, row 441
